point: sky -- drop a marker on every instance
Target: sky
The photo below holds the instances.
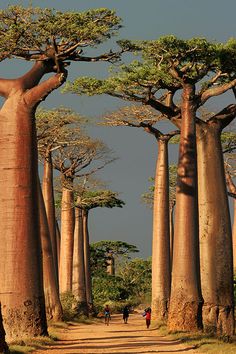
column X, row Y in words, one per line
column 136, row 151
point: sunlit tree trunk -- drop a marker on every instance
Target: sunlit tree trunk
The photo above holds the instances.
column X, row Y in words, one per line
column 87, row 259
column 52, row 301
column 161, row 236
column 79, row 283
column 234, row 237
column 48, row 195
column 21, row 283
column 111, row 264
column 171, row 215
column 215, row 232
column 58, row 238
column 186, row 300
column 67, row 240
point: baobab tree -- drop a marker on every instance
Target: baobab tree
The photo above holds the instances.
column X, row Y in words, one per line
column 50, row 39
column 145, row 117
column 105, row 250
column 148, row 199
column 51, row 136
column 77, row 154
column 87, row 200
column 199, row 70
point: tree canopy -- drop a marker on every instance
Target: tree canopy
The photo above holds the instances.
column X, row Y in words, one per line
column 33, row 33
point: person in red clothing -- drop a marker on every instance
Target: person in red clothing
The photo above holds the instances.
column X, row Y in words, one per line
column 147, row 314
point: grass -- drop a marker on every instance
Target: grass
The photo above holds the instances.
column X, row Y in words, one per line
column 202, row 342
column 28, row 345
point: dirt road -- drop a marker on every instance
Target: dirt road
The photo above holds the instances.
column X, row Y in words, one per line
column 116, row 338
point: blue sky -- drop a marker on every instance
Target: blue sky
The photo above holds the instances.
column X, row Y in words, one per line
column 213, row 19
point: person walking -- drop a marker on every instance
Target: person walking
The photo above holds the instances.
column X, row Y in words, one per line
column 107, row 315
column 126, row 314
column 147, row 315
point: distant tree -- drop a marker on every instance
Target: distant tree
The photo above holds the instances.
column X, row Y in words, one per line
column 51, row 39
column 88, row 200
column 79, row 152
column 51, row 136
column 109, row 251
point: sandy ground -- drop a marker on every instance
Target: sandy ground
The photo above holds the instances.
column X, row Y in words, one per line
column 115, row 338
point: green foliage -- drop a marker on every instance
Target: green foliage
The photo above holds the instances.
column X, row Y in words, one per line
column 90, row 199
column 102, row 251
column 69, row 306
column 137, row 277
column 32, row 31
column 108, row 287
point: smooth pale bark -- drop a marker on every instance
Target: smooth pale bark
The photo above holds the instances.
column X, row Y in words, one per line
column 79, row 283
column 161, row 278
column 58, row 238
column 3, row 345
column 234, row 238
column 48, row 196
column 21, row 282
column 52, row 301
column 87, row 269
column 67, row 240
column 171, row 215
column 232, row 188
column 215, row 232
column 111, row 265
column 186, row 300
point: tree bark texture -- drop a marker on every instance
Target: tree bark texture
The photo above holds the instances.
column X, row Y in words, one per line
column 234, row 237
column 186, row 300
column 161, row 277
column 48, row 196
column 171, row 216
column 21, row 280
column 58, row 238
column 51, row 291
column 87, row 269
column 67, row 240
column 216, row 257
column 79, row 283
column 111, row 264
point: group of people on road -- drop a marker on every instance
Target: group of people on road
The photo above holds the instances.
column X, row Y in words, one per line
column 126, row 311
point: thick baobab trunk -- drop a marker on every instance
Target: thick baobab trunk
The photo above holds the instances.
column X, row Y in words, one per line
column 161, row 236
column 67, row 240
column 215, row 233
column 52, row 300
column 186, row 301
column 87, row 259
column 21, row 282
column 79, row 283
column 48, row 196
